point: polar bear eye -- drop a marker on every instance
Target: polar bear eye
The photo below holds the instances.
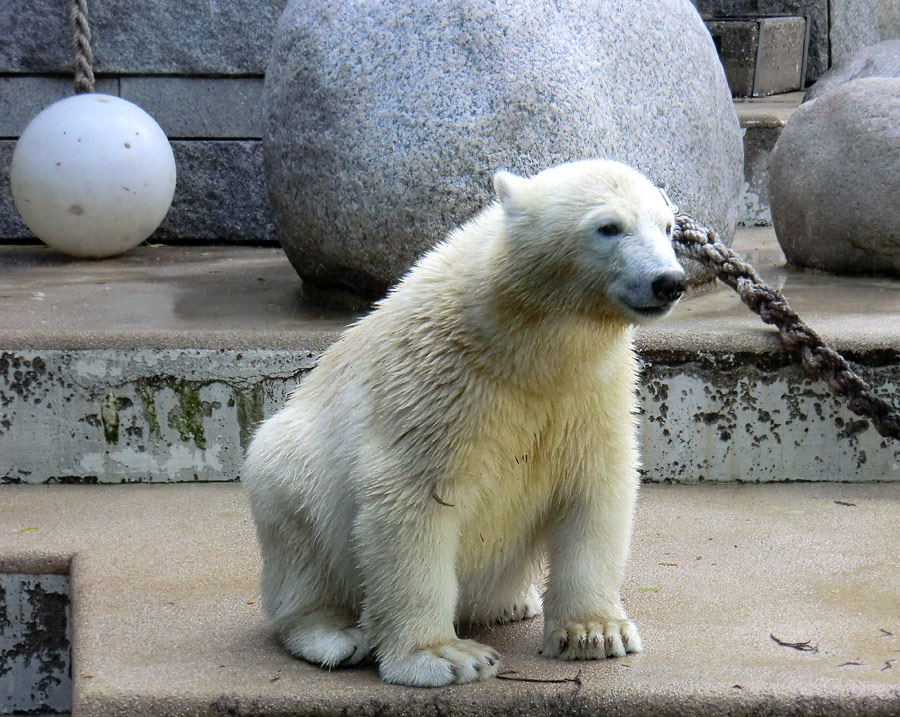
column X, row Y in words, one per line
column 669, row 228
column 609, row 230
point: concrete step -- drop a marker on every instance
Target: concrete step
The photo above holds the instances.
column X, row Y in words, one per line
column 166, row 620
column 156, row 366
column 762, row 119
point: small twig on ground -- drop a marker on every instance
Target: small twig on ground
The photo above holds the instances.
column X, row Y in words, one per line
column 508, row 675
column 885, row 633
column 888, row 664
column 852, row 664
column 802, row 646
column 844, row 502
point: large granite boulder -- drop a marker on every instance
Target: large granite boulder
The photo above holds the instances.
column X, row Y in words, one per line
column 854, row 24
column 879, row 60
column 386, row 120
column 834, row 180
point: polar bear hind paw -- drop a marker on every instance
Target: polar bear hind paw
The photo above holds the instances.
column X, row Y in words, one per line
column 329, row 645
column 455, row 662
column 526, row 606
column 592, row 640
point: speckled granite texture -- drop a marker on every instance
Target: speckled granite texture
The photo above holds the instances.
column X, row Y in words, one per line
column 835, row 178
column 385, row 121
column 879, row 60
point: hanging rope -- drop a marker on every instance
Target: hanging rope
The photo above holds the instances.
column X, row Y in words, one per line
column 819, row 359
column 81, row 46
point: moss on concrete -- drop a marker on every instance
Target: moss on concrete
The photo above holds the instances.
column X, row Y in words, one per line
column 187, row 417
column 148, row 400
column 109, row 415
column 249, row 405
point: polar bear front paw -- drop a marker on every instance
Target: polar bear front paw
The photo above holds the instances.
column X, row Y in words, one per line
column 592, row 640
column 450, row 663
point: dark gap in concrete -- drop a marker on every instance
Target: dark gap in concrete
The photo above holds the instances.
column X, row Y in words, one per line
column 35, row 643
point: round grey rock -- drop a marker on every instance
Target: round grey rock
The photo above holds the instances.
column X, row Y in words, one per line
column 879, row 60
column 385, row 121
column 834, row 180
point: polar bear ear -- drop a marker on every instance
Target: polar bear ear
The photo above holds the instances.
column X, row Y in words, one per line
column 509, row 188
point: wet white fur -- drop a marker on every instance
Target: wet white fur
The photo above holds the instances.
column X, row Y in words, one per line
column 477, row 423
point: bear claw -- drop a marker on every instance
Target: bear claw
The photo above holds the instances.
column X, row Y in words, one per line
column 592, row 640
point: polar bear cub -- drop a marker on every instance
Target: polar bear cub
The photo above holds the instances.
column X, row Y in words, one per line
column 475, row 426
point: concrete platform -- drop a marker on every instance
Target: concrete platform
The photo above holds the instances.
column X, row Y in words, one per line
column 243, row 298
column 166, row 619
column 762, row 119
column 157, row 365
column 770, row 112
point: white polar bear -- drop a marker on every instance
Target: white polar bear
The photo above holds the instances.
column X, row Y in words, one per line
column 477, row 422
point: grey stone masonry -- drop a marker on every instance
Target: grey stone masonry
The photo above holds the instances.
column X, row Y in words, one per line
column 188, row 37
column 22, row 97
column 220, row 195
column 185, row 107
column 815, row 11
column 196, row 66
column 221, row 189
column 761, row 56
column 200, row 106
column 11, row 226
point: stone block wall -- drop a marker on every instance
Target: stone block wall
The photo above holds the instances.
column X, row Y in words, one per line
column 196, row 66
column 815, row 11
column 837, row 28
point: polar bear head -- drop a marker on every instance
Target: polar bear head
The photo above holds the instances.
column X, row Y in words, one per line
column 594, row 237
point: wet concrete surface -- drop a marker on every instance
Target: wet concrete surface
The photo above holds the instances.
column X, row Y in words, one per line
column 250, row 297
column 199, row 297
column 773, row 111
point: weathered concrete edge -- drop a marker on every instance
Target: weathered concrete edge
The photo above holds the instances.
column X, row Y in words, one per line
column 36, row 563
column 156, row 415
column 690, row 343
column 300, row 341
column 142, row 415
column 567, row 701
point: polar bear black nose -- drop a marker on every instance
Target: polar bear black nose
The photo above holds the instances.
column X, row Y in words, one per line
column 668, row 286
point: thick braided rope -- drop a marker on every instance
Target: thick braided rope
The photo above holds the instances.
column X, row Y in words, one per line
column 81, row 46
column 819, row 359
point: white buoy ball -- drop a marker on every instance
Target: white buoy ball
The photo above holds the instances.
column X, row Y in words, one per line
column 93, row 175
